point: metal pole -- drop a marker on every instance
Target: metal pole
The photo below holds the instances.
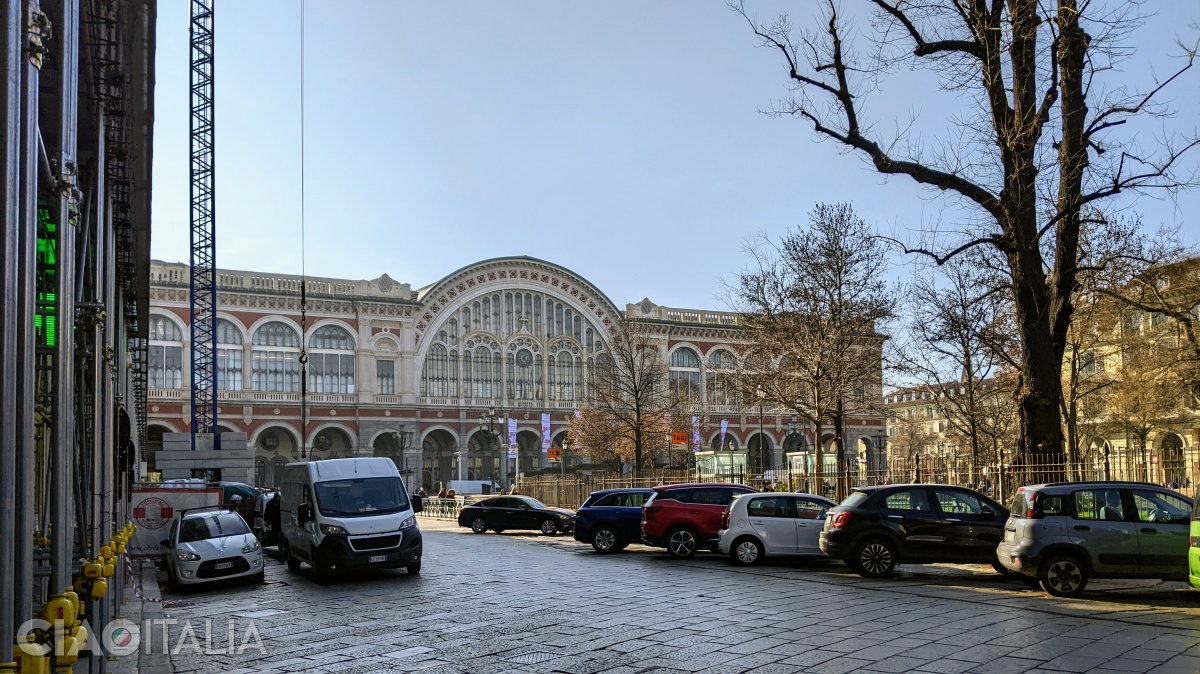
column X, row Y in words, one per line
column 10, row 40
column 62, row 480
column 26, row 297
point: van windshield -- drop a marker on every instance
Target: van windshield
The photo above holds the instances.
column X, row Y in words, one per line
column 362, row 496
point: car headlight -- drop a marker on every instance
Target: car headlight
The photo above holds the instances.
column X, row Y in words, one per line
column 332, row 530
column 185, row 556
column 409, row 522
column 252, row 547
column 565, row 518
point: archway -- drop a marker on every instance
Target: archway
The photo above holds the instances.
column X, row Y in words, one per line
column 332, row 443
column 276, row 440
column 759, row 455
column 529, row 452
column 731, row 443
column 439, row 464
column 154, row 444
column 1171, row 455
column 483, row 457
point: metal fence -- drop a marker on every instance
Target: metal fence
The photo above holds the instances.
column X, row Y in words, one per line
column 998, row 482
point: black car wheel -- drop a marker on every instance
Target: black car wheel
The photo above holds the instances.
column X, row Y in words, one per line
column 746, row 551
column 549, row 527
column 479, row 525
column 681, row 543
column 1063, row 576
column 1000, row 568
column 606, row 540
column 293, row 564
column 874, row 558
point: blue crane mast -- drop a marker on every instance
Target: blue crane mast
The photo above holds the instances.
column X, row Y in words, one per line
column 203, row 226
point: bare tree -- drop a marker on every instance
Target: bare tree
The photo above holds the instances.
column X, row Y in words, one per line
column 1146, row 395
column 631, row 399
column 912, row 440
column 950, row 317
column 810, row 305
column 1034, row 147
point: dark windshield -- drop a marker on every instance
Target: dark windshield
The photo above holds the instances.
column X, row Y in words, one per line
column 361, row 496
column 215, row 525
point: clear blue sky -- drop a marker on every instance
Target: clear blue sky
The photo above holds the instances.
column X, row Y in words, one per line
column 620, row 139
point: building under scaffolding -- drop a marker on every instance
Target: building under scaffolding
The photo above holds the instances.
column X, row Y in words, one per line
column 77, row 109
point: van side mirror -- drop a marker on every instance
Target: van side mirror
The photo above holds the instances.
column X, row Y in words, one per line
column 417, row 503
column 304, row 513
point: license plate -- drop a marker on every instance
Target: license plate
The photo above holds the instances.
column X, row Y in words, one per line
column 223, row 565
column 377, row 558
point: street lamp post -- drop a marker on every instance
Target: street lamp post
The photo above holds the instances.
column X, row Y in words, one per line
column 487, row 425
column 761, row 396
column 794, row 428
column 567, row 445
column 880, row 446
column 403, row 441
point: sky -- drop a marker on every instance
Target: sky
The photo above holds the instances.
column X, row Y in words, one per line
column 622, row 140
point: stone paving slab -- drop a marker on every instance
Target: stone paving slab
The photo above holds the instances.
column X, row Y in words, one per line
column 530, row 604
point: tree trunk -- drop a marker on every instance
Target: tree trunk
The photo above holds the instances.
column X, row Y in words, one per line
column 819, row 459
column 839, row 439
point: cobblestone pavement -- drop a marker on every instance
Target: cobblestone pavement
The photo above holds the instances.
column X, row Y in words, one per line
column 525, row 603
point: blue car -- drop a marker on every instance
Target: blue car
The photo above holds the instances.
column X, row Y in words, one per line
column 611, row 519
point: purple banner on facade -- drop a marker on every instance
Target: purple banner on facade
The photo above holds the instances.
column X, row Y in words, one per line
column 545, row 431
column 696, row 445
column 724, row 428
column 512, row 433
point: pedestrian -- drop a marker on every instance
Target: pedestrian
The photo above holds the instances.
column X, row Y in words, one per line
column 767, row 486
column 450, row 493
column 422, row 493
column 442, row 493
column 513, row 490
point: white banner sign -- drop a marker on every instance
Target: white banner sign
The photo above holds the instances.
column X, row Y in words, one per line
column 545, row 431
column 155, row 508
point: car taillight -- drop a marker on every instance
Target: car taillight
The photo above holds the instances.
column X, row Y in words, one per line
column 840, row 520
column 461, row 510
column 725, row 519
column 1030, row 498
column 651, row 509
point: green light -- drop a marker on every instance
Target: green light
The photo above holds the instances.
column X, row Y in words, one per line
column 45, row 322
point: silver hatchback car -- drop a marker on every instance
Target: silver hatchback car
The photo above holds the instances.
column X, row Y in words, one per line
column 1063, row 534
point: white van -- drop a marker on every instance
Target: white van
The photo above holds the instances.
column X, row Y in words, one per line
column 341, row 514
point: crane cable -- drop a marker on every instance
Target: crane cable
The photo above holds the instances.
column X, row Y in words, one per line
column 303, row 269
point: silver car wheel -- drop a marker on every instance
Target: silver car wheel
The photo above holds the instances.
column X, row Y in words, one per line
column 1064, row 577
column 681, row 543
column 747, row 552
column 479, row 525
column 876, row 558
column 604, row 540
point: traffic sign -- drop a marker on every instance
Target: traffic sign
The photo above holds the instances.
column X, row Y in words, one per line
column 679, row 438
column 554, row 453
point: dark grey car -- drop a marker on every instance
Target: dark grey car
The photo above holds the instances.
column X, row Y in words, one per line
column 1064, row 534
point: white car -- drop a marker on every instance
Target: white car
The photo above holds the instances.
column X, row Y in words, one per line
column 758, row 525
column 210, row 544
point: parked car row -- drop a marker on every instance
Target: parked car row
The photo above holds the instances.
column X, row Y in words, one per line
column 1057, row 536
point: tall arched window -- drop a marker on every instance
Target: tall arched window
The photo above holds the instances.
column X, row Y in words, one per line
column 435, row 376
column 229, row 360
column 685, row 374
column 165, row 355
column 331, row 360
column 718, row 380
column 275, row 361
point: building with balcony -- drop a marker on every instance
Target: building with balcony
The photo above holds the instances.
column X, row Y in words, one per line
column 516, row 335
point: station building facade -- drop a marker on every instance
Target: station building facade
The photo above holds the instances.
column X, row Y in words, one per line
column 516, row 335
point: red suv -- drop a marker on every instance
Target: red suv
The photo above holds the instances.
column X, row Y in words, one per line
column 685, row 517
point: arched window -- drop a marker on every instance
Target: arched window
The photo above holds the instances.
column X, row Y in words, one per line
column 275, row 361
column 165, row 354
column 229, row 360
column 521, row 366
column 685, row 374
column 718, row 380
column 435, row 376
column 331, row 360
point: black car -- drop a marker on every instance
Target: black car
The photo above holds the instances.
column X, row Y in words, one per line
column 515, row 512
column 611, row 519
column 876, row 528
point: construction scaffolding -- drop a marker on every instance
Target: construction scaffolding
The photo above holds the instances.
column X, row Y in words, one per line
column 76, row 110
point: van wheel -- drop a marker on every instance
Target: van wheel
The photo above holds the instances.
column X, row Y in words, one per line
column 874, row 558
column 321, row 572
column 1063, row 576
column 293, row 564
column 606, row 540
column 479, row 525
column 681, row 543
column 414, row 568
column 746, row 551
